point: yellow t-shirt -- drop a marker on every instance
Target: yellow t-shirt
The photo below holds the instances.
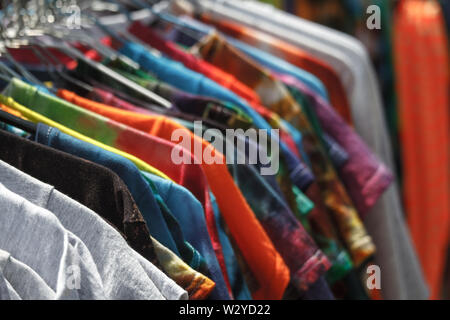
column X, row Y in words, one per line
column 36, row 117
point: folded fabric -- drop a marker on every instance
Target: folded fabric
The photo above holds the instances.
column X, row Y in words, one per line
column 19, row 282
column 36, row 237
column 118, row 265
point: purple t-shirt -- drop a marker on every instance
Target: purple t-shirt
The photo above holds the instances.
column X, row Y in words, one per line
column 365, row 177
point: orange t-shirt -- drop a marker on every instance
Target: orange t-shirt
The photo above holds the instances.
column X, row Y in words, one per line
column 266, row 264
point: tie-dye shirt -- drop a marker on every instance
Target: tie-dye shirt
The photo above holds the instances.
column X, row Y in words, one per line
column 118, row 135
column 274, row 94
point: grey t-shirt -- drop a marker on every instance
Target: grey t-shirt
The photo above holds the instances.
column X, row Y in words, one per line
column 34, row 236
column 19, row 282
column 125, row 273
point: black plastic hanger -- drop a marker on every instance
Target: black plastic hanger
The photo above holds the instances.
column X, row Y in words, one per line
column 8, row 118
column 78, row 86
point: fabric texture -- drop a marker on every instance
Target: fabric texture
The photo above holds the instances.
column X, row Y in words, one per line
column 225, row 205
column 422, row 71
column 92, row 185
column 198, row 286
column 54, row 257
column 190, row 215
column 403, row 278
column 224, row 190
column 121, row 272
column 364, row 176
column 156, row 152
column 19, row 282
column 125, row 169
column 297, row 57
column 176, row 74
column 219, row 52
column 145, row 153
column 190, row 61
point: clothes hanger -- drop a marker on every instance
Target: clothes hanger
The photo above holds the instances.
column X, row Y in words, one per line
column 87, row 67
column 180, row 25
column 128, row 62
column 22, row 71
column 21, row 37
column 17, row 122
column 58, row 69
column 124, row 32
column 6, row 74
column 56, row 38
column 7, row 70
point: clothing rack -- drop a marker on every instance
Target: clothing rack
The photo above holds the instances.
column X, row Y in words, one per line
column 98, row 92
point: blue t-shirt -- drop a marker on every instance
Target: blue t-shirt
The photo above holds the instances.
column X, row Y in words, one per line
column 190, row 214
column 124, row 168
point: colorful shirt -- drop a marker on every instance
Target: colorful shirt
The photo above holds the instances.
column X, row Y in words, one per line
column 219, row 52
column 364, row 176
column 109, row 131
column 300, row 253
column 223, row 188
column 265, row 262
column 138, row 188
column 197, row 285
column 190, row 61
column 190, row 81
column 291, row 54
